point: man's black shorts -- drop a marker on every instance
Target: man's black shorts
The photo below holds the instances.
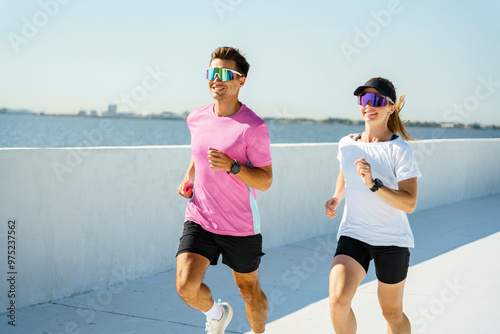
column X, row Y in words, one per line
column 391, row 262
column 242, row 254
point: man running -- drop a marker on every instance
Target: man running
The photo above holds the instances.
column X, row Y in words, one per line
column 230, row 161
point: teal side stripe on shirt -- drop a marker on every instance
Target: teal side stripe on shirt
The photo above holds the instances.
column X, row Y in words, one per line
column 254, row 207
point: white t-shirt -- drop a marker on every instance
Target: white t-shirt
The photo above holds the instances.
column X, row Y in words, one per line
column 366, row 217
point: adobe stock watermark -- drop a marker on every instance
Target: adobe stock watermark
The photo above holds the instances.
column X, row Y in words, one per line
column 459, row 113
column 88, row 309
column 364, row 36
column 426, row 314
column 298, row 273
column 74, row 157
column 223, row 6
column 153, row 78
column 31, row 26
column 462, row 111
column 274, row 299
column 294, row 276
column 281, row 115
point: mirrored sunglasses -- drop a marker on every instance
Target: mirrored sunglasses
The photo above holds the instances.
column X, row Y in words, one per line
column 224, row 74
column 377, row 100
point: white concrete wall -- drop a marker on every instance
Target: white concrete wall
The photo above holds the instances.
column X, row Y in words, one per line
column 89, row 218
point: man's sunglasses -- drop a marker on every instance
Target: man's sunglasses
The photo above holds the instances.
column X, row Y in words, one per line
column 224, row 74
column 376, row 99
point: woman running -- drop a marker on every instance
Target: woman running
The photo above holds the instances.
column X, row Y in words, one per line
column 378, row 179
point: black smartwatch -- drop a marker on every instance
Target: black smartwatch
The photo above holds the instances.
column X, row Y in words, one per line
column 235, row 168
column 378, row 184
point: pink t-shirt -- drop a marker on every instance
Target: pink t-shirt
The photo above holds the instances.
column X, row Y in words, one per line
column 221, row 203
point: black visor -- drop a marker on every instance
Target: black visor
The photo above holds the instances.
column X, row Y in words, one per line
column 380, row 86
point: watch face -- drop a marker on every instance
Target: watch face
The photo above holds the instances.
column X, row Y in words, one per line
column 235, row 169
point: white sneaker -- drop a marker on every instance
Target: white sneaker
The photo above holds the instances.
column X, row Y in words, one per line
column 219, row 327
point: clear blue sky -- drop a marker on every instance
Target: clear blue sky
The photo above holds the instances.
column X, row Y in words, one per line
column 306, row 57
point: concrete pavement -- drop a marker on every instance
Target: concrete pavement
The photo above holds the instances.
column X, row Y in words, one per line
column 451, row 288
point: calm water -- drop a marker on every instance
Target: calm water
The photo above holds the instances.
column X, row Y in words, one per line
column 61, row 131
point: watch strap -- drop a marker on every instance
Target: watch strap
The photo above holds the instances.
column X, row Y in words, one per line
column 378, row 184
column 235, row 168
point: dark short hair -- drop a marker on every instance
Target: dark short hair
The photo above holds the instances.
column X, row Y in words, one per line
column 229, row 53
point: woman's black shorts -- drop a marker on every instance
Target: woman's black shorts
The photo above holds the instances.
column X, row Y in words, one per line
column 242, row 254
column 391, row 262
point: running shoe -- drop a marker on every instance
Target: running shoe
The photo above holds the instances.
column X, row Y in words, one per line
column 219, row 327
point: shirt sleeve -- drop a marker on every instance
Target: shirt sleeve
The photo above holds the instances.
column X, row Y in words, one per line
column 259, row 147
column 406, row 164
column 340, row 145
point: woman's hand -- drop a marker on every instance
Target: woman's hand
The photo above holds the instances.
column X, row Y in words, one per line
column 404, row 198
column 330, row 207
column 365, row 171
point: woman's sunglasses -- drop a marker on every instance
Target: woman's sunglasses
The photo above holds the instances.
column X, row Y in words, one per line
column 377, row 100
column 224, row 74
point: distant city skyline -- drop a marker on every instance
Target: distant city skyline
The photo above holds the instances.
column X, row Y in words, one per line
column 111, row 112
column 62, row 56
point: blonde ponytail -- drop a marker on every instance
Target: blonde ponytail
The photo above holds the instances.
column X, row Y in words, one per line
column 395, row 124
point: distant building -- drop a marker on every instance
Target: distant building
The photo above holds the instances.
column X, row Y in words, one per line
column 170, row 115
column 93, row 112
column 128, row 114
column 82, row 113
column 111, row 110
column 448, row 125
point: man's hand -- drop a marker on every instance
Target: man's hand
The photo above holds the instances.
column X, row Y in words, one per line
column 259, row 178
column 219, row 160
column 186, row 188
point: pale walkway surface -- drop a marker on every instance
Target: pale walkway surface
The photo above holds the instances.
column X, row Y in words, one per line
column 453, row 287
